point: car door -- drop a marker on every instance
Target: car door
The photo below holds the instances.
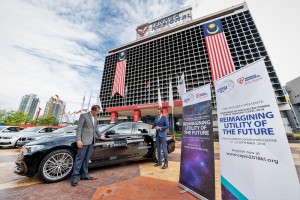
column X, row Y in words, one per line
column 142, row 140
column 115, row 147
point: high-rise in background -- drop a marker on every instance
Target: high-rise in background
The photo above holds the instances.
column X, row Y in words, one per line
column 29, row 104
column 55, row 107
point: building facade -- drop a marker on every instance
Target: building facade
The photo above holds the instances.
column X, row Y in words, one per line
column 29, row 104
column 293, row 89
column 181, row 49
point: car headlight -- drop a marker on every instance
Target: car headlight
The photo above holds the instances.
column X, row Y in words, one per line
column 31, row 148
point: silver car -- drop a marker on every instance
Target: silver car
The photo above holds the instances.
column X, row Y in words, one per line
column 9, row 139
column 34, row 136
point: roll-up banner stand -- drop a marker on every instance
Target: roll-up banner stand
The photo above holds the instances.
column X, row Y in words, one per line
column 197, row 170
column 255, row 157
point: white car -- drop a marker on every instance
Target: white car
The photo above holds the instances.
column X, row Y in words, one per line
column 9, row 139
column 4, row 129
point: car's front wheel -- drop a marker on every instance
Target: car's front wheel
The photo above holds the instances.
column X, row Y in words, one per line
column 57, row 165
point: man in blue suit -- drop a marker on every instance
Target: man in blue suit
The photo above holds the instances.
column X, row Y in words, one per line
column 161, row 124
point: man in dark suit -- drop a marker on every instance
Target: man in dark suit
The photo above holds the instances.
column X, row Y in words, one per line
column 85, row 136
column 161, row 124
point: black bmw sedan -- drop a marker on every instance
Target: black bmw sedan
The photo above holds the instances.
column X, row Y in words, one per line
column 53, row 157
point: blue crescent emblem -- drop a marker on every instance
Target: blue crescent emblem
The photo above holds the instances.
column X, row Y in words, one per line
column 122, row 56
column 212, row 29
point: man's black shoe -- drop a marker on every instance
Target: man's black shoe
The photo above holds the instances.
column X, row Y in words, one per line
column 73, row 183
column 88, row 178
column 157, row 164
column 165, row 166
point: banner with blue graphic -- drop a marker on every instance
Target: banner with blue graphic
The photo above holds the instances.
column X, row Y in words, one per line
column 197, row 171
column 255, row 157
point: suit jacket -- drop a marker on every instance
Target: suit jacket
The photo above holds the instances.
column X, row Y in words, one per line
column 86, row 130
column 163, row 123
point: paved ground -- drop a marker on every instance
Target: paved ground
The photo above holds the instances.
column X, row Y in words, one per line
column 138, row 180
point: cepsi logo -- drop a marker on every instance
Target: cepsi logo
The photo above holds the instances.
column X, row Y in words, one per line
column 189, row 98
column 226, row 86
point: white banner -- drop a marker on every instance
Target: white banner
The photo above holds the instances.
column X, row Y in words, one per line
column 255, row 157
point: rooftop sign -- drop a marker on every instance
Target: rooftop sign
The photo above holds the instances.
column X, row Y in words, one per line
column 165, row 22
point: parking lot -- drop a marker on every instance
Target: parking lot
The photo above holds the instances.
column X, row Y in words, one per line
column 137, row 180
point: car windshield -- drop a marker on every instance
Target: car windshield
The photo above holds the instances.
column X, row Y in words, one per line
column 2, row 127
column 104, row 128
column 65, row 129
column 32, row 129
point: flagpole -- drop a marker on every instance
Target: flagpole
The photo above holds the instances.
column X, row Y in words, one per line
column 172, row 106
column 74, row 117
column 82, row 103
column 88, row 107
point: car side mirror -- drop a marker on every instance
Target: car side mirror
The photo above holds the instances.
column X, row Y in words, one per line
column 111, row 132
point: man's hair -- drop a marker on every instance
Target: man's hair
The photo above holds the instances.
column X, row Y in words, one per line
column 95, row 107
column 160, row 109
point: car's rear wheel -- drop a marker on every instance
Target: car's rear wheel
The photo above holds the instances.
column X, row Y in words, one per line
column 155, row 155
column 57, row 165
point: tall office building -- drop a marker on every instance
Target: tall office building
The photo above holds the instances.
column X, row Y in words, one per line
column 166, row 54
column 55, row 107
column 293, row 90
column 29, row 104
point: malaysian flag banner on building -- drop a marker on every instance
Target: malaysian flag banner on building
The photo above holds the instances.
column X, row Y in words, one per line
column 220, row 59
column 119, row 81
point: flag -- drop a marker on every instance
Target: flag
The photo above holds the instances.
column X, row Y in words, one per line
column 286, row 95
column 159, row 96
column 171, row 101
column 99, row 103
column 219, row 55
column 119, row 81
column 181, row 85
column 148, row 85
column 126, row 90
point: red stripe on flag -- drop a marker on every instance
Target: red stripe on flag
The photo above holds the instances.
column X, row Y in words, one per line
column 119, row 80
column 219, row 56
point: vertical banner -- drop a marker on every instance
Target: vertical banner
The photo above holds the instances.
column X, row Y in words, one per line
column 255, row 157
column 197, row 170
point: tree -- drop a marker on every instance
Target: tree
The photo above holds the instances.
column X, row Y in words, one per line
column 47, row 120
column 3, row 114
column 14, row 118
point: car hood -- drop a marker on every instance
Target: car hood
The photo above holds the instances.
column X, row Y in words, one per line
column 53, row 139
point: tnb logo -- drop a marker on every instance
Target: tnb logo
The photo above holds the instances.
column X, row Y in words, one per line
column 201, row 95
column 249, row 79
column 241, row 80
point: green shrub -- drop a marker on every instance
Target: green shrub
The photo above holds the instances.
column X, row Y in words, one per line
column 297, row 136
column 177, row 134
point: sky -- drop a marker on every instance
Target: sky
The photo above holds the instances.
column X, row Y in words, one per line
column 59, row 47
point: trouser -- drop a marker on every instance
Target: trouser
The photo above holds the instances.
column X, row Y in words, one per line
column 82, row 161
column 161, row 141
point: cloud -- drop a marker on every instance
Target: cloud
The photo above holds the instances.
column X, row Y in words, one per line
column 45, row 52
